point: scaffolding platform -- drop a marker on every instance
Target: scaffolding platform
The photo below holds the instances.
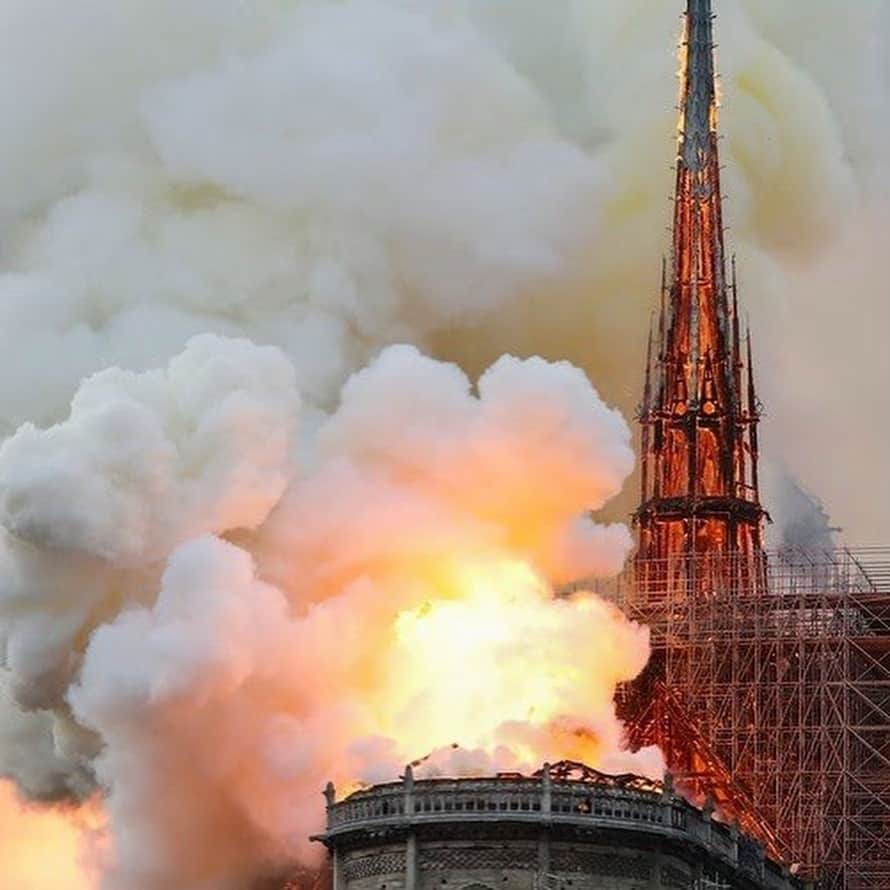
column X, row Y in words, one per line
column 774, row 699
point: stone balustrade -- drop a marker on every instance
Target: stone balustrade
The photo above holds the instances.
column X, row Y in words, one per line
column 650, row 808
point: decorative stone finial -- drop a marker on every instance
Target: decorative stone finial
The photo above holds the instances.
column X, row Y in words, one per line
column 709, row 808
column 408, row 778
column 669, row 786
column 330, row 794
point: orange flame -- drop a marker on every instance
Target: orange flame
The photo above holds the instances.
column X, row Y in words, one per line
column 44, row 847
column 498, row 664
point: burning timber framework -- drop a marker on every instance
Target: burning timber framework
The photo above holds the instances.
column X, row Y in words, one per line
column 769, row 682
column 775, row 700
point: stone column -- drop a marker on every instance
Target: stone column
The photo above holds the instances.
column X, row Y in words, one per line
column 546, row 792
column 707, row 812
column 339, row 879
column 544, row 833
column 411, row 861
column 408, row 784
column 330, row 798
column 668, row 796
column 411, row 840
column 655, row 872
column 734, row 837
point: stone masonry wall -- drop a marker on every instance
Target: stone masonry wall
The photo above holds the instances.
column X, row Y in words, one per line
column 512, row 866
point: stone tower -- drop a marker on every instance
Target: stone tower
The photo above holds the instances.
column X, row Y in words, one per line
column 699, row 414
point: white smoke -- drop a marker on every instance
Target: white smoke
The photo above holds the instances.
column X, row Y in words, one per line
column 210, row 704
column 329, row 178
column 167, row 454
column 220, row 703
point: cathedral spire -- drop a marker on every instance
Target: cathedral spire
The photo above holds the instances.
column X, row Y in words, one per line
column 698, row 101
column 699, row 417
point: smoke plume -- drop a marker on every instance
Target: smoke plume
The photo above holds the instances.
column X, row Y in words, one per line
column 375, row 600
column 233, row 513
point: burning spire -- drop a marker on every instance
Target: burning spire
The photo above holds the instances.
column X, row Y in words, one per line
column 699, row 412
column 700, row 520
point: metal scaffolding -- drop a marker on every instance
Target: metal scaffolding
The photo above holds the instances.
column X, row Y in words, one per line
column 774, row 700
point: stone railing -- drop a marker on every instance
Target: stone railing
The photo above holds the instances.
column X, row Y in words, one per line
column 543, row 800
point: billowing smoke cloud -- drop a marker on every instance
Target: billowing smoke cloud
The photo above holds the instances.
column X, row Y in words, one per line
column 395, row 599
column 332, row 177
column 197, row 594
column 805, row 105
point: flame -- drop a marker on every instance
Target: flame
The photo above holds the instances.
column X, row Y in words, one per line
column 683, row 62
column 42, row 847
column 498, row 664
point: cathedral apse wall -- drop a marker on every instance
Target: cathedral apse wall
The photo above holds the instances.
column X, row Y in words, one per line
column 566, row 828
